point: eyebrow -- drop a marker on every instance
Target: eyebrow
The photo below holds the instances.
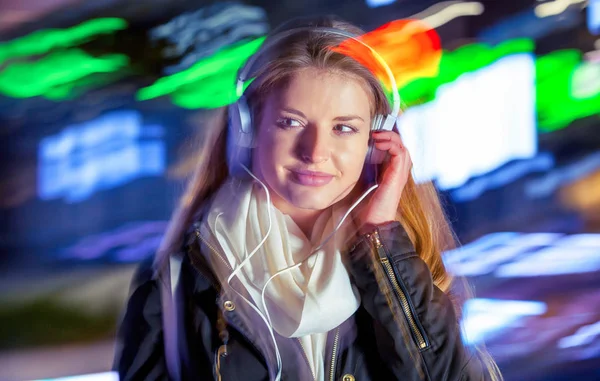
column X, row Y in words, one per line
column 294, row 111
column 344, row 118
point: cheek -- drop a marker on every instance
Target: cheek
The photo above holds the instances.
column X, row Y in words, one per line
column 273, row 152
column 351, row 161
column 276, row 146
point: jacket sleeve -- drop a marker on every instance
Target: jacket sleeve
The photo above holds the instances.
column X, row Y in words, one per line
column 417, row 332
column 140, row 350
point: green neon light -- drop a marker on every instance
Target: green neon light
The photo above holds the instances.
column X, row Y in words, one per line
column 210, row 83
column 62, row 69
column 43, row 41
column 567, row 89
column 56, row 74
column 463, row 60
column 194, row 88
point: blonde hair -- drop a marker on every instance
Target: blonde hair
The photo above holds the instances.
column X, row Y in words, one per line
column 420, row 210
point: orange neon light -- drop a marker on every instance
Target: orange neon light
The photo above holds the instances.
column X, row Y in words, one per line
column 410, row 48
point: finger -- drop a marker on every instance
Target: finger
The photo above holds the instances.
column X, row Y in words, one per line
column 393, row 148
column 387, row 135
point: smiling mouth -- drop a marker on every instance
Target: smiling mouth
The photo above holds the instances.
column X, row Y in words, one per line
column 310, row 178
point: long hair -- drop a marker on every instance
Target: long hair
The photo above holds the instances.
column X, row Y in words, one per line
column 420, row 210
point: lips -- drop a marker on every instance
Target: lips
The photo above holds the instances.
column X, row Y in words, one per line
column 310, row 178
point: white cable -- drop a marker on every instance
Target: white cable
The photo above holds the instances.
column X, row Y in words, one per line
column 235, row 272
column 313, row 251
column 239, row 267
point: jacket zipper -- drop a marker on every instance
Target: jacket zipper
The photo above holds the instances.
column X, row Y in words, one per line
column 212, row 248
column 306, row 358
column 334, row 349
column 404, row 301
column 337, row 331
column 334, row 353
column 220, row 351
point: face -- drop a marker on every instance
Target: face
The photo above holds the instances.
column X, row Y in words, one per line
column 312, row 140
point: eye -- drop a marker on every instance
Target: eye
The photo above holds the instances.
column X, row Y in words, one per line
column 288, row 123
column 345, row 129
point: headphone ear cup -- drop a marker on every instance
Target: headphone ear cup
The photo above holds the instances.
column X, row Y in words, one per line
column 243, row 123
column 375, row 156
column 239, row 143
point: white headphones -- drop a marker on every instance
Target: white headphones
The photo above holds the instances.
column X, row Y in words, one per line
column 241, row 130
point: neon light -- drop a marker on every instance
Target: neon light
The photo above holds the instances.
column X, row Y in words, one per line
column 548, row 184
column 468, row 119
column 485, row 254
column 585, row 335
column 527, row 24
column 593, row 16
column 196, row 90
column 484, row 318
column 411, row 48
column 563, row 96
column 130, row 243
column 554, row 7
column 473, row 249
column 55, row 75
column 510, row 255
column 452, row 11
column 463, row 60
column 570, row 255
column 378, row 3
column 192, row 36
column 207, row 84
column 565, row 88
column 585, row 81
column 474, row 188
column 43, row 41
column 101, row 154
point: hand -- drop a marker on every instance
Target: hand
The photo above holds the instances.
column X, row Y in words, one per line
column 382, row 205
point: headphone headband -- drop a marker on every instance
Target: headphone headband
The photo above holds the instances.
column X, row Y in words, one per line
column 276, row 38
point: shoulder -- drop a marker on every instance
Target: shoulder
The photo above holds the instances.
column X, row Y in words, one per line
column 144, row 274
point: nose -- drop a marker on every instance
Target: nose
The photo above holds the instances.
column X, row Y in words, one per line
column 314, row 145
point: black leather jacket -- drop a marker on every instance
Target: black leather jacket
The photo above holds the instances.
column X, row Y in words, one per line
column 405, row 329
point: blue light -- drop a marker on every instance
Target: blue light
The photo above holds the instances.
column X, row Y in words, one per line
column 104, row 153
column 194, row 35
column 593, row 16
column 378, row 3
column 484, row 255
column 502, row 177
column 484, row 318
column 129, row 243
column 547, row 184
column 521, row 255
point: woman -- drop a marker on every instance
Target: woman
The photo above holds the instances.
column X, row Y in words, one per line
column 296, row 267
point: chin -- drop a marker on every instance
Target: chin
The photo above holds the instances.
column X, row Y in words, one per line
column 310, row 204
column 312, row 199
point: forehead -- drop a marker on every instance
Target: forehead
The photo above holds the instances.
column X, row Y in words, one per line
column 324, row 93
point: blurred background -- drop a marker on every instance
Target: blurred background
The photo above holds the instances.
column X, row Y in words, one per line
column 100, row 103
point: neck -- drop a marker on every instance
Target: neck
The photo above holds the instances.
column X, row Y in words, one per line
column 306, row 219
